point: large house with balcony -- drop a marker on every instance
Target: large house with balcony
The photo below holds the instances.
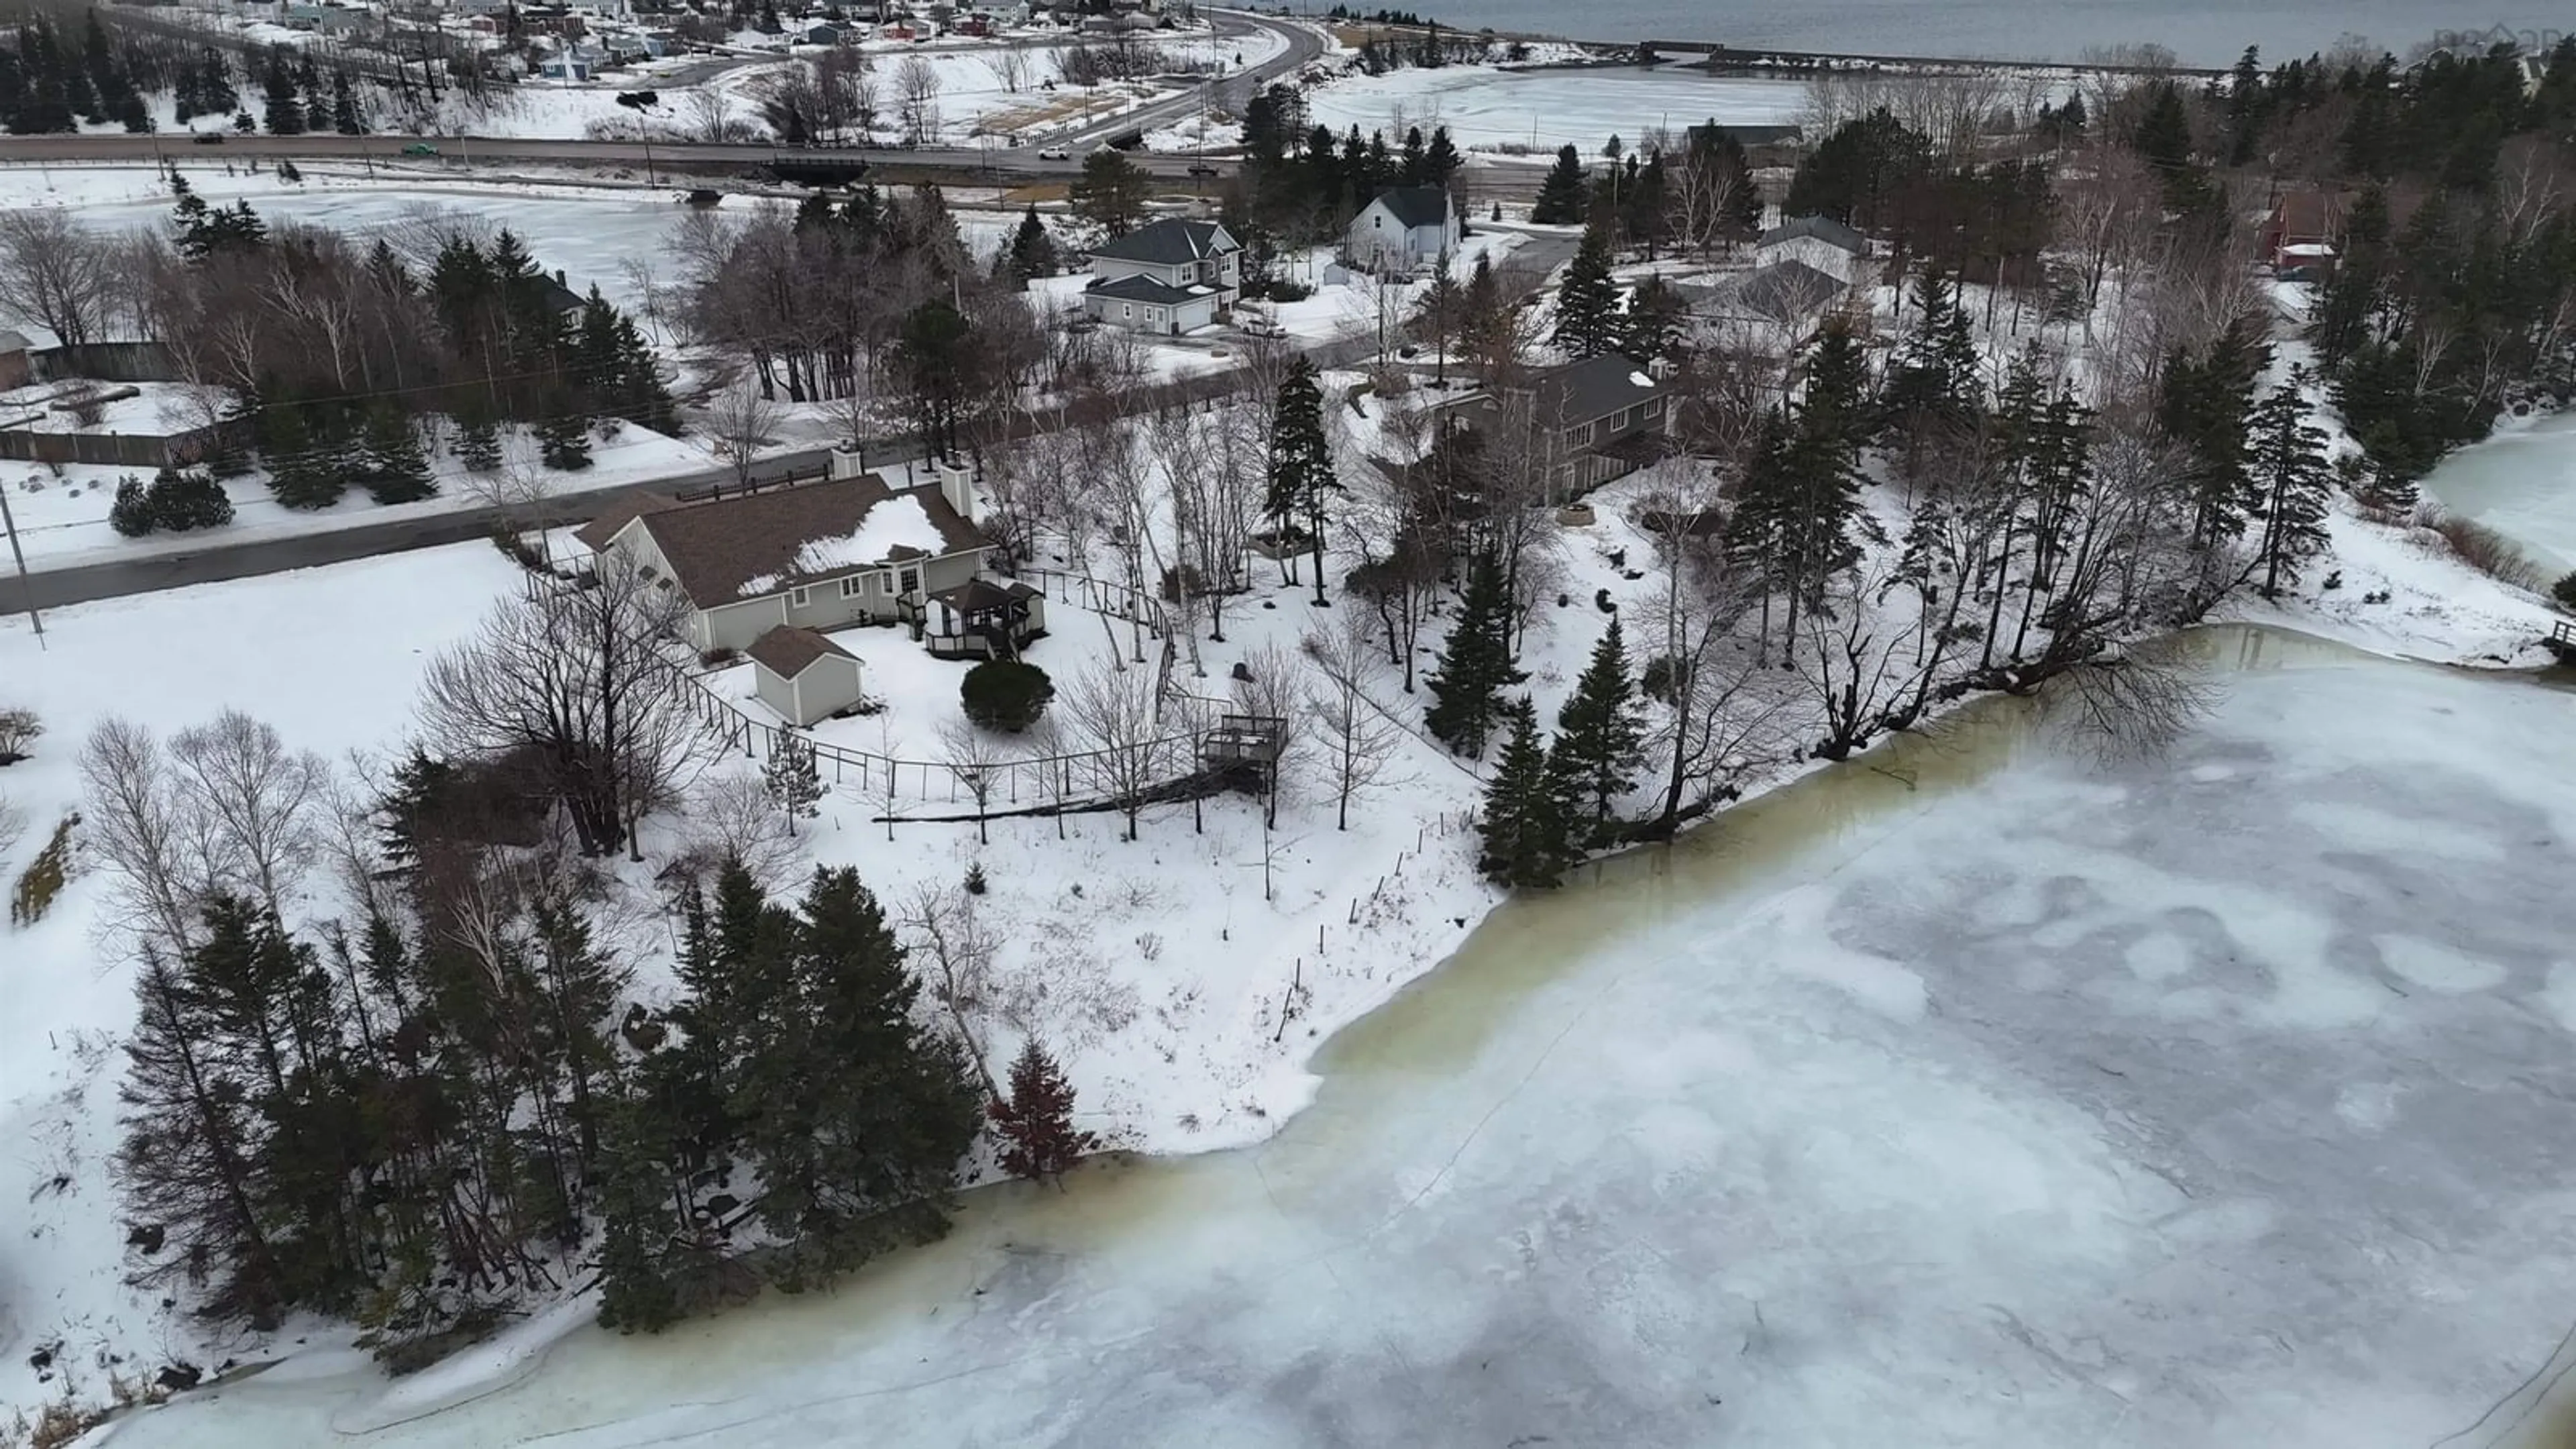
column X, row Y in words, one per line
column 1592, row 421
column 844, row 550
column 1170, row 277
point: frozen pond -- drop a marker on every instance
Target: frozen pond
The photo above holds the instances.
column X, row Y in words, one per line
column 2215, row 1100
column 1544, row 109
column 2522, row 484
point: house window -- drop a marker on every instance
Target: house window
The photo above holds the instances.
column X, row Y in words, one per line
column 911, row 580
column 1126, row 309
column 851, row 584
column 800, row 597
column 885, row 582
column 1654, row 407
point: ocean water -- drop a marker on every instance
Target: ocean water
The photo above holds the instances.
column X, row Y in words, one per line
column 2199, row 32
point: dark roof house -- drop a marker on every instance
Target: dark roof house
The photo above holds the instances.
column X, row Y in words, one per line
column 1581, row 392
column 1142, row 288
column 730, row 549
column 1417, row 205
column 1783, row 292
column 1169, row 242
column 1822, row 228
column 788, row 651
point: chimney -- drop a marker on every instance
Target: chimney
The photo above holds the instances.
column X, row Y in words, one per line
column 957, row 485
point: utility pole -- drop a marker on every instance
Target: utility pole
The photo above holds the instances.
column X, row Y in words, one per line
column 10, row 525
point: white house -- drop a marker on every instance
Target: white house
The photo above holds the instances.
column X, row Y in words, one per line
column 823, row 555
column 1405, row 229
column 803, row 676
column 1820, row 242
column 1169, row 276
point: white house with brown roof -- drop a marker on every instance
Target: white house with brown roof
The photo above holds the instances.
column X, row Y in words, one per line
column 802, row 675
column 821, row 555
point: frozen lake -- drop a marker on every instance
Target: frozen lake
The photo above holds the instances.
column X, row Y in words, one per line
column 1545, row 109
column 2522, row 484
column 1970, row 1094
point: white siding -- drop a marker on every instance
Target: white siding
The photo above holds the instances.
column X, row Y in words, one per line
column 1816, row 252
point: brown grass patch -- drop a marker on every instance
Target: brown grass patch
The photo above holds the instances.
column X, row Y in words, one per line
column 2484, row 549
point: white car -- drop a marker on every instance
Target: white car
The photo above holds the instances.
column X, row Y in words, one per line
column 1055, row 153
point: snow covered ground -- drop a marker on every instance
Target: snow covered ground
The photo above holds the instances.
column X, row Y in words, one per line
column 1489, row 108
column 2211, row 1100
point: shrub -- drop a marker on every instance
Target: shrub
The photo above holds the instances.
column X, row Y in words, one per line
column 2564, row 591
column 1290, row 291
column 975, row 884
column 1006, row 694
column 131, row 513
column 2484, row 549
column 44, row 877
column 18, row 729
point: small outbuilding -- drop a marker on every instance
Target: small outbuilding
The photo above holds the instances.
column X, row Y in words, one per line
column 802, row 675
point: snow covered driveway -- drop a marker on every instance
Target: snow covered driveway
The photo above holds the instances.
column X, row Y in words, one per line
column 2215, row 1100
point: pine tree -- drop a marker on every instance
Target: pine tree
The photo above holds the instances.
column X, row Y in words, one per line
column 1653, row 326
column 1836, row 404
column 1032, row 252
column 2291, row 478
column 2206, row 404
column 1475, row 664
column 478, row 441
column 300, row 471
column 1441, row 160
column 1598, row 732
column 346, row 118
column 1301, row 462
column 131, row 515
column 1522, row 835
column 563, row 441
column 284, row 113
column 1587, row 305
column 793, row 779
column 1036, row 1124
column 396, row 471
column 1561, row 195
column 1484, row 324
column 183, row 502
column 1110, row 194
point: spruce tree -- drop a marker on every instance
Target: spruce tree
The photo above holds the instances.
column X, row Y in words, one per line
column 563, row 441
column 1653, row 325
column 132, row 514
column 1440, row 161
column 1036, row 1124
column 1598, row 732
column 1301, row 462
column 2291, row 478
column 478, row 441
column 1110, row 194
column 183, row 502
column 1587, row 305
column 1475, row 664
column 1032, row 251
column 1523, row 830
column 793, row 779
column 301, row 474
column 1561, row 195
column 396, row 471
column 1484, row 323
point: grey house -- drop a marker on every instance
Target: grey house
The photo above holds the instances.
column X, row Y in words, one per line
column 822, row 555
column 1406, row 228
column 1593, row 421
column 1821, row 242
column 1170, row 276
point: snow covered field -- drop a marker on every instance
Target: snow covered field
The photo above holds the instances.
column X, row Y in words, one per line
column 2211, row 1100
column 1487, row 108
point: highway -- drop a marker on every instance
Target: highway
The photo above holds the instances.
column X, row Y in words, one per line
column 1300, row 44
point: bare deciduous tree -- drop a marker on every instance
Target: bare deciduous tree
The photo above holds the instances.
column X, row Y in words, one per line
column 261, row 799
column 960, row 953
column 732, row 816
column 976, row 760
column 139, row 825
column 916, row 88
column 1358, row 740
column 57, row 273
column 1112, row 711
column 742, row 418
column 582, row 682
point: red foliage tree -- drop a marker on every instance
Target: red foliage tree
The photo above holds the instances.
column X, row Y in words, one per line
column 1036, row 1124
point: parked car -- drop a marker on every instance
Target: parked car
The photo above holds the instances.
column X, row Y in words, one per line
column 1055, row 153
column 207, row 138
column 1201, row 168
column 420, row 148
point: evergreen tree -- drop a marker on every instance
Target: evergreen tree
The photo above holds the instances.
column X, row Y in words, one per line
column 1587, row 305
column 1441, row 161
column 1301, row 462
column 1110, row 194
column 1599, row 736
column 793, row 779
column 2291, row 478
column 1561, row 194
column 478, row 440
column 1032, row 252
column 2206, row 404
column 301, row 474
column 1856, row 174
column 1653, row 326
column 2163, row 134
column 1475, row 664
column 346, row 118
column 132, row 514
column 1522, row 835
column 284, row 110
column 1036, row 1124
column 183, row 502
column 396, row 470
column 1836, row 404
column 563, row 441
column 1935, row 378
column 1484, row 323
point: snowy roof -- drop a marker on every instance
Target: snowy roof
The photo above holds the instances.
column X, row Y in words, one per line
column 788, row 651
column 755, row 544
column 1822, row 228
column 13, row 341
column 1145, row 289
column 1169, row 242
column 2307, row 249
column 1782, row 291
column 1414, row 206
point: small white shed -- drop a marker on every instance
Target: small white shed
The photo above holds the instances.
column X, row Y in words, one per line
column 802, row 675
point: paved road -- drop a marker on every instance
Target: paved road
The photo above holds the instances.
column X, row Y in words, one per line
column 1300, row 45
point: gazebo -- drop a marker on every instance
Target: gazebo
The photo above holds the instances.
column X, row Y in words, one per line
column 980, row 618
